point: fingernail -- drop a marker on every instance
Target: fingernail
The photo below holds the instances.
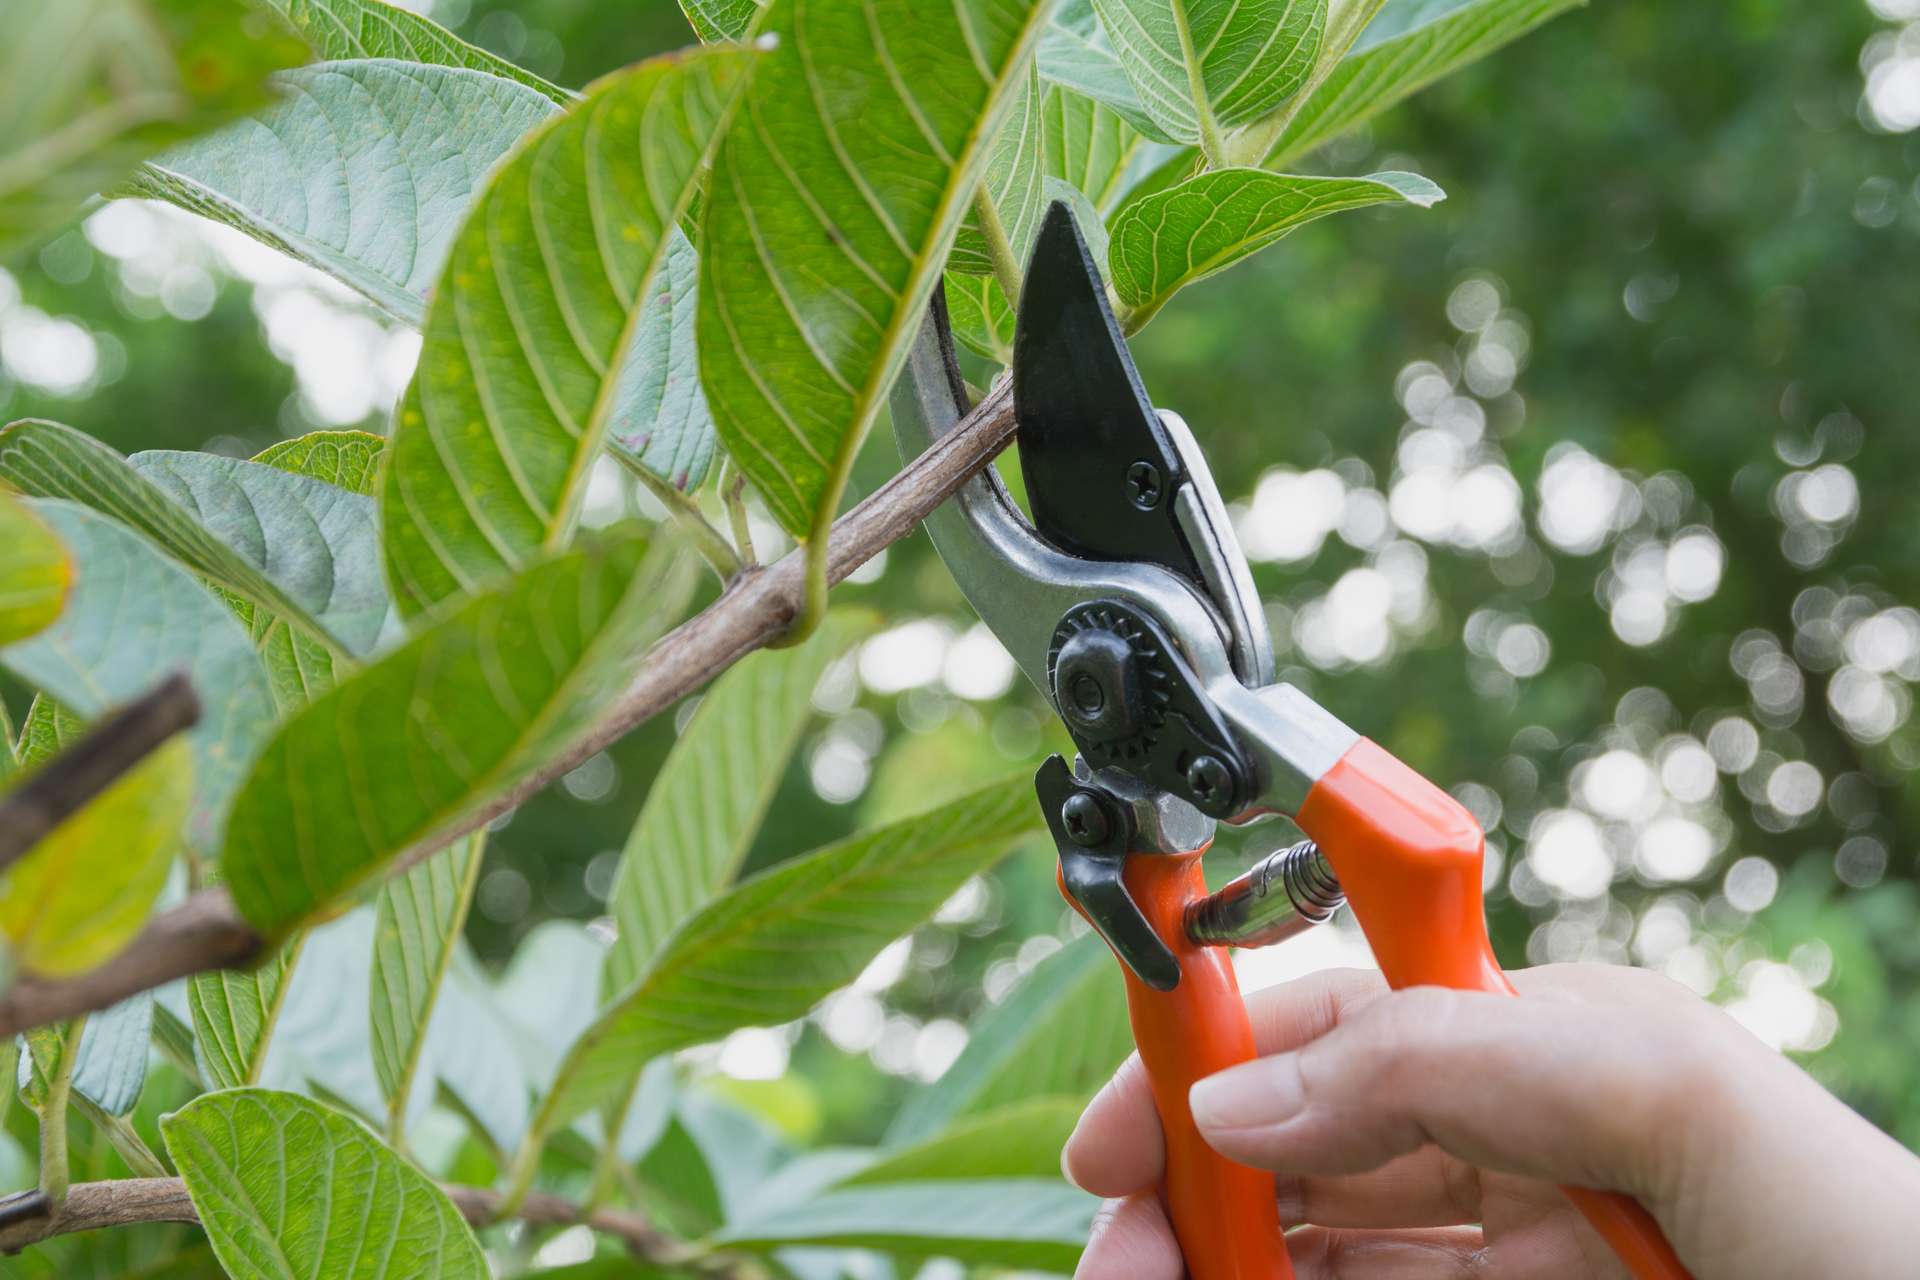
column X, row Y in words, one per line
column 1066, row 1170
column 1252, row 1095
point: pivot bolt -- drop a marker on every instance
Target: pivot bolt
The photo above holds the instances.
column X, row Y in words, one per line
column 1089, row 699
column 1085, row 821
column 1143, row 481
column 1208, row 779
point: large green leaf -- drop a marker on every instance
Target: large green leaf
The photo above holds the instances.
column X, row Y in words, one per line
column 293, row 1190
column 664, row 423
column 470, row 1050
column 1012, row 182
column 416, row 923
column 361, row 169
column 1203, row 66
column 977, row 306
column 375, row 29
column 348, row 459
column 715, row 20
column 85, row 888
column 710, row 795
column 458, row 714
column 834, row 200
column 112, row 1066
column 303, row 551
column 136, row 617
column 314, row 541
column 1021, row 1140
column 529, row 344
column 90, row 87
column 298, row 666
column 1411, row 44
column 35, row 574
column 1168, row 240
column 1012, row 1222
column 1060, row 1034
column 234, row 1013
column 1088, row 145
column 981, row 317
column 765, row 952
column 1076, row 54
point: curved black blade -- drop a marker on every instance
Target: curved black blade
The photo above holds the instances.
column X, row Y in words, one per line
column 1100, row 469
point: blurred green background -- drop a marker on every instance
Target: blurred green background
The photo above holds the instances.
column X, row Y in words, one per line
column 1588, row 492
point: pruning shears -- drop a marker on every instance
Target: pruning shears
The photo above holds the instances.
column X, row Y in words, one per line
column 1127, row 600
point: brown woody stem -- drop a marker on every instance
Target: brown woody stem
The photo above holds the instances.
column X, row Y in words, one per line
column 28, row 1217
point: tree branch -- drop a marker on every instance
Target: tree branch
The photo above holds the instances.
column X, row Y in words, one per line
column 62, row 787
column 27, row 1218
column 206, row 932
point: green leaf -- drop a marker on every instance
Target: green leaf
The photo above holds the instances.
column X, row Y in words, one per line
column 293, row 1190
column 1022, row 1140
column 981, row 317
column 363, row 170
column 1012, row 1222
column 301, row 550
column 1013, row 184
column 663, row 421
column 1168, row 240
column 47, row 1049
column 298, row 666
column 374, row 29
column 470, row 1052
column 1061, row 1033
column 1411, row 44
column 80, row 893
column 550, row 993
column 811, row 290
column 35, row 574
column 234, row 1012
column 440, row 725
column 715, row 20
column 1201, row 66
column 977, row 306
column 47, row 728
column 416, row 923
column 112, row 1066
column 528, row 348
column 711, row 793
column 1088, row 145
column 1076, row 54
column 321, row 1035
column 765, row 952
column 347, row 459
column 90, row 87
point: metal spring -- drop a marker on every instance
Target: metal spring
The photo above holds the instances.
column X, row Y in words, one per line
column 1307, row 879
column 1285, row 893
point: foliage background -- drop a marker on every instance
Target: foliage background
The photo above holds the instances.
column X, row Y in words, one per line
column 1489, row 457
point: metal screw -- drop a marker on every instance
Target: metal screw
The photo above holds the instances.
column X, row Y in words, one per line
column 1088, row 696
column 1144, row 479
column 1085, row 820
column 1207, row 778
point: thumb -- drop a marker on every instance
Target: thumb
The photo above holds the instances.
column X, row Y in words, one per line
column 1567, row 1092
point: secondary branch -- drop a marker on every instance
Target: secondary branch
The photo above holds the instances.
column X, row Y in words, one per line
column 206, row 932
column 28, row 1217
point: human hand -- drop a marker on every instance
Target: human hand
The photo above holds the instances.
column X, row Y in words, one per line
column 1421, row 1133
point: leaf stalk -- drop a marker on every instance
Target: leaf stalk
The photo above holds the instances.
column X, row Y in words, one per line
column 686, row 513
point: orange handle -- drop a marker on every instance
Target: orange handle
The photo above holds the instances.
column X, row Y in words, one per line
column 1409, row 857
column 1224, row 1214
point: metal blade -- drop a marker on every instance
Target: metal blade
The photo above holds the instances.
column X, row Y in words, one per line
column 1100, row 469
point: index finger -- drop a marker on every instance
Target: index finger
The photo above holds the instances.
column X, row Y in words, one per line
column 1117, row 1148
